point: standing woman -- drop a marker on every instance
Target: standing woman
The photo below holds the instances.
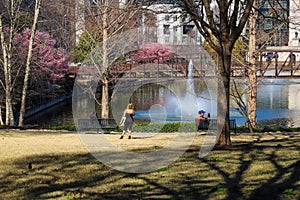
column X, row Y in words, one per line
column 128, row 113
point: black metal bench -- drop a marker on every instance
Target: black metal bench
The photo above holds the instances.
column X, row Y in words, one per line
column 212, row 124
column 98, row 124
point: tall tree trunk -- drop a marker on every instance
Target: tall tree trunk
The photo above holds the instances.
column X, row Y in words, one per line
column 225, row 21
column 1, row 121
column 6, row 50
column 224, row 62
column 105, row 98
column 28, row 60
column 252, row 79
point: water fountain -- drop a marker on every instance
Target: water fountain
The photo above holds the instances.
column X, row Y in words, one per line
column 178, row 105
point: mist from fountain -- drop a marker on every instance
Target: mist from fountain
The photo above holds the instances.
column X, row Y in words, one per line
column 185, row 108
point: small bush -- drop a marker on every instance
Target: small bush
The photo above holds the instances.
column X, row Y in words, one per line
column 289, row 191
column 170, row 127
column 222, row 190
column 242, row 129
column 68, row 128
column 164, row 128
column 181, row 127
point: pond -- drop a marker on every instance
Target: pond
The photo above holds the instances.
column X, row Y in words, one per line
column 58, row 115
column 277, row 99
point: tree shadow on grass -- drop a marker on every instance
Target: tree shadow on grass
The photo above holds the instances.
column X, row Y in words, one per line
column 52, row 176
column 222, row 174
column 283, row 178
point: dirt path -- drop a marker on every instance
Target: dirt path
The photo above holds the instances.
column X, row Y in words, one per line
column 17, row 144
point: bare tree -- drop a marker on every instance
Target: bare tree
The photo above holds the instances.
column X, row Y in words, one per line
column 12, row 9
column 251, row 70
column 248, row 110
column 225, row 21
column 112, row 18
column 58, row 17
column 28, row 60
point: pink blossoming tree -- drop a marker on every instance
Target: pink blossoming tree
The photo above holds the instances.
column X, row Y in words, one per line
column 48, row 62
column 153, row 52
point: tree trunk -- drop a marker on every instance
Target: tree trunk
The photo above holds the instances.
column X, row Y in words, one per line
column 1, row 121
column 6, row 50
column 221, row 29
column 27, row 69
column 224, row 61
column 252, row 79
column 105, row 98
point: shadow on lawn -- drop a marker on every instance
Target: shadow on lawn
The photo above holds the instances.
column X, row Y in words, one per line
column 272, row 188
column 223, row 174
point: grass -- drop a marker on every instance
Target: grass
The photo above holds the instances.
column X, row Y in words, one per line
column 184, row 127
column 64, row 169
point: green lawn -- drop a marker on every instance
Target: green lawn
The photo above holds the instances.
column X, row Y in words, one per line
column 259, row 166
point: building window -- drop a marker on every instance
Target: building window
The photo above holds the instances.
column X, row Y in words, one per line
column 267, row 26
column 175, row 18
column 187, row 29
column 29, row 2
column 167, row 39
column 199, row 40
column 184, row 17
column 184, row 39
column 174, row 29
column 167, row 18
column 284, row 4
column 166, row 29
column 175, row 39
column 94, row 2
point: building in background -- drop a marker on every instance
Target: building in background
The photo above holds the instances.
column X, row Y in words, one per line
column 289, row 51
column 68, row 19
column 272, row 26
column 294, row 23
column 173, row 27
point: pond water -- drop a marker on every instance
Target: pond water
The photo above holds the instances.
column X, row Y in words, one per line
column 58, row 115
column 277, row 99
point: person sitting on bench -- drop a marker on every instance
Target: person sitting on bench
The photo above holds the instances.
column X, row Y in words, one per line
column 202, row 121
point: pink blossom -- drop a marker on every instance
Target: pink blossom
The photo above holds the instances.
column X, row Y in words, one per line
column 153, row 52
column 47, row 60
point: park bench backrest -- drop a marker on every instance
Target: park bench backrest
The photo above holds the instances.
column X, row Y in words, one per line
column 212, row 124
column 97, row 123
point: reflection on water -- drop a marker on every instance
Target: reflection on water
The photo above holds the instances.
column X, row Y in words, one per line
column 273, row 94
column 58, row 115
column 276, row 99
column 177, row 101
